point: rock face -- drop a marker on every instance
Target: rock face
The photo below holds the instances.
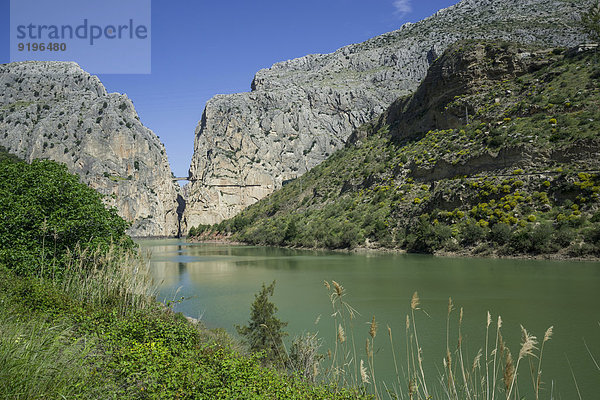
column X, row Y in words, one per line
column 55, row 110
column 439, row 102
column 300, row 111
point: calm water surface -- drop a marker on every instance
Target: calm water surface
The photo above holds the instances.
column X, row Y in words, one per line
column 219, row 282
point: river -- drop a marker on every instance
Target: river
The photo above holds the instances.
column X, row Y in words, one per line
column 218, row 283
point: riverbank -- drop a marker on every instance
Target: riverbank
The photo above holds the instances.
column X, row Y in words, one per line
column 65, row 340
column 79, row 316
column 218, row 279
column 560, row 256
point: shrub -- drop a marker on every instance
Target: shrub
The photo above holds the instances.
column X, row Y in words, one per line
column 500, row 233
column 472, row 233
column 533, row 239
column 46, row 211
column 563, row 236
column 426, row 238
column 540, row 238
column 592, row 235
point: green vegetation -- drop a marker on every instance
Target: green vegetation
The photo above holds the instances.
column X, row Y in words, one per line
column 79, row 318
column 520, row 178
column 47, row 212
column 264, row 332
column 591, row 21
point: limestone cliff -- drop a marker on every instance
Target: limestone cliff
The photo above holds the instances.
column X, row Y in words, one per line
column 520, row 177
column 300, row 111
column 57, row 111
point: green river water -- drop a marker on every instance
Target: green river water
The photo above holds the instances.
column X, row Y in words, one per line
column 219, row 283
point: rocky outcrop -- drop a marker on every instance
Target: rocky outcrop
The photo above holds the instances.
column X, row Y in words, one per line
column 55, row 110
column 301, row 111
column 462, row 71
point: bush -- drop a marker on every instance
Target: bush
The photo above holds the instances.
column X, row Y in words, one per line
column 563, row 236
column 472, row 233
column 426, row 238
column 540, row 238
column 592, row 235
column 46, row 211
column 500, row 233
column 533, row 239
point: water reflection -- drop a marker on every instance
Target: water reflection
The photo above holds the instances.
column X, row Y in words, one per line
column 221, row 282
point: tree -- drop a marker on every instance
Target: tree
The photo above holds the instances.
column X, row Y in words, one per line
column 264, row 331
column 45, row 212
column 591, row 21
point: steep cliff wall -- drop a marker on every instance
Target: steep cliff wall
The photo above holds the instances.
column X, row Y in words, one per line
column 55, row 110
column 300, row 111
column 522, row 177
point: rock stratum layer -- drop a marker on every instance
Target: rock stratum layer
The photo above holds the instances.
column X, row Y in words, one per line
column 300, row 111
column 57, row 111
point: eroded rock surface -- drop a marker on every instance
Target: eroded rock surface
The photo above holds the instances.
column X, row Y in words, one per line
column 300, row 111
column 57, row 111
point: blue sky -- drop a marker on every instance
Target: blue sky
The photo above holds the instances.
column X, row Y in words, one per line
column 201, row 48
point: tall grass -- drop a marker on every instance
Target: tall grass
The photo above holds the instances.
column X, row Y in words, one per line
column 492, row 373
column 110, row 276
column 343, row 366
column 44, row 357
column 40, row 360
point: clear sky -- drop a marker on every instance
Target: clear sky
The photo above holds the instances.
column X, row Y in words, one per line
column 201, row 48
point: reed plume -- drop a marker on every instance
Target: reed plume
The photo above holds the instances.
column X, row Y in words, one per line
column 373, row 328
column 341, row 334
column 339, row 290
column 363, row 373
column 527, row 348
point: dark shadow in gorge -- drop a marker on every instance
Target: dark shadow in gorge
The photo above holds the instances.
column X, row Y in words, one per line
column 180, row 210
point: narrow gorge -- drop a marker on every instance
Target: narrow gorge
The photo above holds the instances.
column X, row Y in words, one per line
column 247, row 145
column 301, row 111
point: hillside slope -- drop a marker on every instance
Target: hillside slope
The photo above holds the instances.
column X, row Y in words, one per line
column 301, row 111
column 57, row 111
column 521, row 177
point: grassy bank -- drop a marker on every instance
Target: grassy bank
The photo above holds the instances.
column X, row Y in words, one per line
column 79, row 318
column 101, row 336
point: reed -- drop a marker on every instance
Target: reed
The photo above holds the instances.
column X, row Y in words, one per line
column 114, row 276
column 344, row 367
column 491, row 373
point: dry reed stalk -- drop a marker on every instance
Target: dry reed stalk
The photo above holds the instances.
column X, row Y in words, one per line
column 487, row 367
column 414, row 305
column 476, row 366
column 495, row 351
column 460, row 353
column 574, row 379
column 527, row 348
column 342, row 359
column 393, row 354
column 509, row 370
column 371, row 360
column 538, row 382
column 408, row 353
column 448, row 360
